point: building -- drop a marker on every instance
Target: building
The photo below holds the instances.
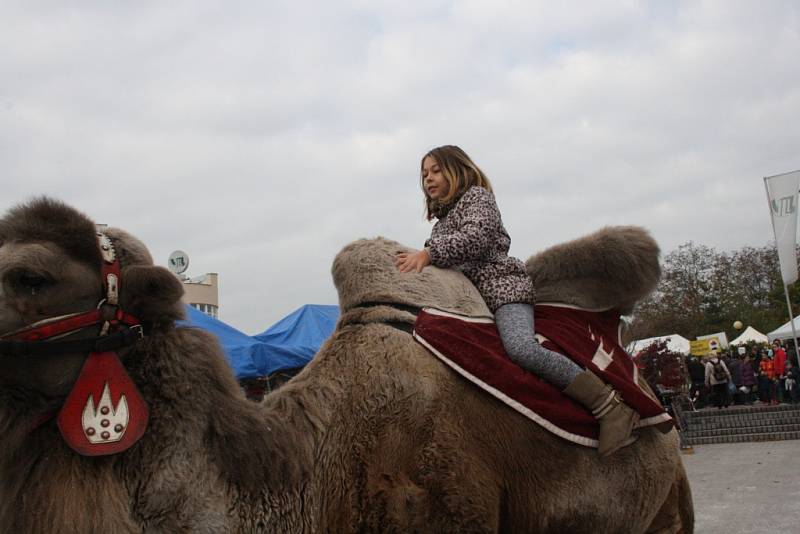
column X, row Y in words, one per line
column 202, row 293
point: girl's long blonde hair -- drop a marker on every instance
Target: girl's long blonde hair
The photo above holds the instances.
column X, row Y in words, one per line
column 460, row 172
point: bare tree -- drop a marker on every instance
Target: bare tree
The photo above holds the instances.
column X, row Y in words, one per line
column 704, row 291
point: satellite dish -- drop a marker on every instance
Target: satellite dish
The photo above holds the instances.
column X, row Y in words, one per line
column 178, row 262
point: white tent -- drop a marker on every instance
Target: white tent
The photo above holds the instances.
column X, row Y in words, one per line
column 785, row 331
column 675, row 343
column 751, row 334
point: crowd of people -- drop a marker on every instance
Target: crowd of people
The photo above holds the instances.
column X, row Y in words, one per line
column 760, row 375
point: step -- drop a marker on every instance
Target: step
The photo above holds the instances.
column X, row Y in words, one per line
column 736, row 421
column 737, row 424
column 741, row 415
column 742, row 410
column 754, row 429
column 741, row 438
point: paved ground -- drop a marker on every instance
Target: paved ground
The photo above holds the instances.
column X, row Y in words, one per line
column 746, row 488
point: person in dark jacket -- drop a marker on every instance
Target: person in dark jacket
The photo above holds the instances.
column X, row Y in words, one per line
column 735, row 367
column 756, row 355
column 747, row 379
column 697, row 374
column 469, row 236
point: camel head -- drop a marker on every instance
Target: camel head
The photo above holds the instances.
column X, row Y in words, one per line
column 50, row 266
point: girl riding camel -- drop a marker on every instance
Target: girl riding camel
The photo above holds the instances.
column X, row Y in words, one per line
column 469, row 236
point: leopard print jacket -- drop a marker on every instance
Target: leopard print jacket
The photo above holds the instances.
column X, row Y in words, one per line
column 469, row 236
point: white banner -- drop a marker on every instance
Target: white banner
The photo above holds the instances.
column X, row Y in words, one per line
column 782, row 197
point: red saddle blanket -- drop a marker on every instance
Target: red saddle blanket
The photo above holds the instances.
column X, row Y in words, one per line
column 472, row 347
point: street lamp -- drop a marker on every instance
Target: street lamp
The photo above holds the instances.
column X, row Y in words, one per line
column 738, row 326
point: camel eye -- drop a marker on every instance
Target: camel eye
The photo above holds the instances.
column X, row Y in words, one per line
column 30, row 282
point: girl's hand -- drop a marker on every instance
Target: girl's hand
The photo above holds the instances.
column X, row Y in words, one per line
column 412, row 261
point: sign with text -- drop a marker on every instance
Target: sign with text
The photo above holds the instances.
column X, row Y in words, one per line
column 699, row 347
column 782, row 198
column 704, row 347
column 720, row 337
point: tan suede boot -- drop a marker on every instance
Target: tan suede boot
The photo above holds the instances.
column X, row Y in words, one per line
column 616, row 418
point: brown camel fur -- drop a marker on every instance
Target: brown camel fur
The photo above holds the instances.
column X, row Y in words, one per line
column 612, row 268
column 375, row 435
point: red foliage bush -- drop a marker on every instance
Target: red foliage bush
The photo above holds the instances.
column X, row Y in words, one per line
column 661, row 366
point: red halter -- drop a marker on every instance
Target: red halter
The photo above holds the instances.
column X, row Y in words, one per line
column 104, row 413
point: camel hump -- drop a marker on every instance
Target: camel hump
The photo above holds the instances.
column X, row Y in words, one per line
column 612, row 268
column 364, row 272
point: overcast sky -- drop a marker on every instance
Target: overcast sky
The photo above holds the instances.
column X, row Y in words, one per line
column 261, row 137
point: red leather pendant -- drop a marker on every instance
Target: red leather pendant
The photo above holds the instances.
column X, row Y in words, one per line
column 104, row 413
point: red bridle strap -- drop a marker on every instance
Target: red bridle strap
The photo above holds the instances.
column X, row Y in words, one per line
column 108, row 314
column 73, row 323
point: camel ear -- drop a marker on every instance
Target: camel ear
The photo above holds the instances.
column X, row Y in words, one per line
column 151, row 293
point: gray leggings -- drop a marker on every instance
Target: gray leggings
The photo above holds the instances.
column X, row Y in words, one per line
column 515, row 324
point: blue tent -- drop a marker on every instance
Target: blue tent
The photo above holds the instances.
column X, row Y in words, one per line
column 296, row 338
column 242, row 350
column 288, row 344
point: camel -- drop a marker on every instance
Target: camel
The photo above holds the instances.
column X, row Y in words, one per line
column 374, row 435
